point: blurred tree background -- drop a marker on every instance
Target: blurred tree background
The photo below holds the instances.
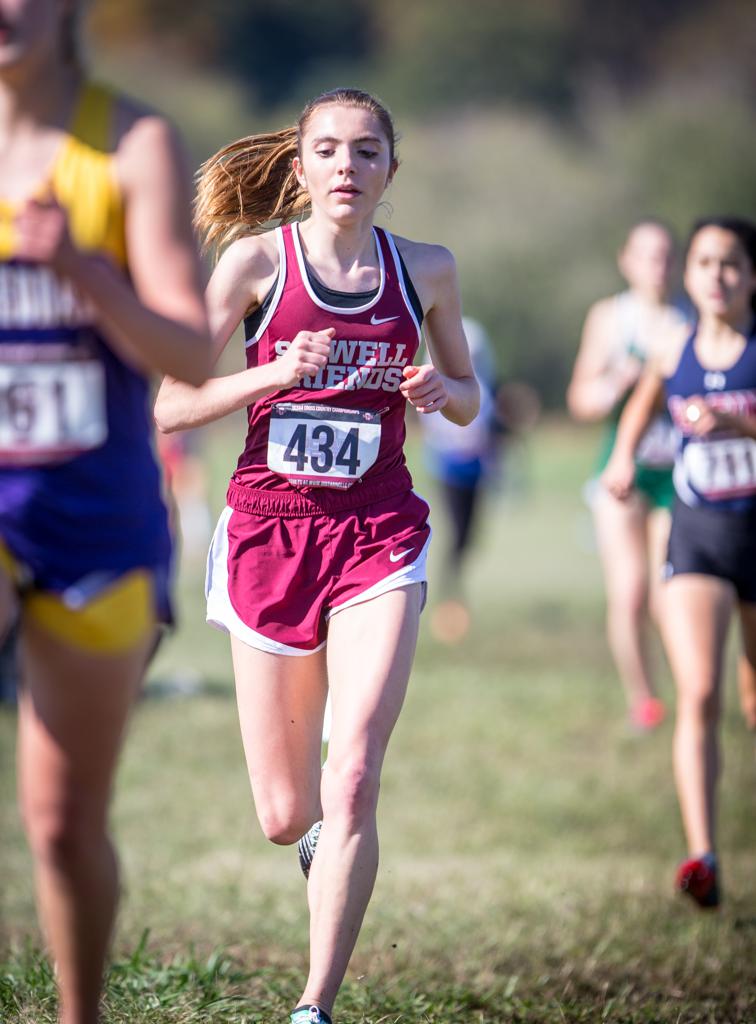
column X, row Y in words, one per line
column 533, row 135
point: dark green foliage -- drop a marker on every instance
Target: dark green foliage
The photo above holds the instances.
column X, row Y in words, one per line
column 433, row 54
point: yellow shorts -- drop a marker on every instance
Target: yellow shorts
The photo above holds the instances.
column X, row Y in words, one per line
column 116, row 619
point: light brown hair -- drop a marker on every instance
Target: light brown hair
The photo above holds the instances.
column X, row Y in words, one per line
column 251, row 182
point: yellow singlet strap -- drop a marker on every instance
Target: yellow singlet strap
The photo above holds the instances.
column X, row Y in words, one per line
column 93, row 119
column 84, row 179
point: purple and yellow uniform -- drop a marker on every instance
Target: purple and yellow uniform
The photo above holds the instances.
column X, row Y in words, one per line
column 83, row 528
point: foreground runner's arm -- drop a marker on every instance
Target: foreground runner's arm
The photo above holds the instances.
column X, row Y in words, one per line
column 241, row 279
column 642, row 405
column 645, row 401
column 157, row 320
column 448, row 384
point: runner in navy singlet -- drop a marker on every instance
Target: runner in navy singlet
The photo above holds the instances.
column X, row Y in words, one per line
column 710, row 380
column 317, row 567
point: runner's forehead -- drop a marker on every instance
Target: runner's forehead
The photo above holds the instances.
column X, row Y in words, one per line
column 338, row 122
column 321, row 139
column 648, row 238
column 715, row 241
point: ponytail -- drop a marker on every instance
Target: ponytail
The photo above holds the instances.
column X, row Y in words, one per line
column 246, row 185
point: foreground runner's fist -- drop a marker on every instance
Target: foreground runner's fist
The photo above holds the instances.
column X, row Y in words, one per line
column 424, row 388
column 305, row 356
column 42, row 236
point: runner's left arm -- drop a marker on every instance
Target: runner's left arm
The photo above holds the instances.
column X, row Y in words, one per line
column 448, row 384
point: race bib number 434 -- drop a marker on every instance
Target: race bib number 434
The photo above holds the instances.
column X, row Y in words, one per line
column 51, row 411
column 319, row 446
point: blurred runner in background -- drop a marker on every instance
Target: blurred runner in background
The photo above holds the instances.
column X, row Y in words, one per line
column 708, row 377
column 186, row 479
column 617, row 338
column 461, row 460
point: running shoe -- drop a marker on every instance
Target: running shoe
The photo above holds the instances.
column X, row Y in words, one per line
column 306, row 848
column 697, row 878
column 647, row 714
column 309, row 1015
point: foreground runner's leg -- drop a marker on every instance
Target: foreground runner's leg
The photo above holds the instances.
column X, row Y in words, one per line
column 368, row 693
column 281, row 701
column 73, row 708
column 695, row 630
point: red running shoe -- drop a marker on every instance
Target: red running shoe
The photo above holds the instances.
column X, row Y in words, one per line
column 648, row 714
column 698, row 879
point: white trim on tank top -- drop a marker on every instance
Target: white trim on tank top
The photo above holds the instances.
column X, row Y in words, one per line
column 402, row 283
column 340, row 310
column 280, row 282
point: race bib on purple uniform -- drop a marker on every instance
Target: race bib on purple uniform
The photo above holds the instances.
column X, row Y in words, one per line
column 51, row 411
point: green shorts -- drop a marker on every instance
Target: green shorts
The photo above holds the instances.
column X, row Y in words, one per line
column 652, row 482
column 655, row 485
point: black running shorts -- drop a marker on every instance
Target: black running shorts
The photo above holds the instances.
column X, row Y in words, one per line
column 712, row 542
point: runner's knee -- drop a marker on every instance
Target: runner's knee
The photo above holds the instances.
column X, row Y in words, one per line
column 700, row 702
column 62, row 833
column 350, row 790
column 284, row 820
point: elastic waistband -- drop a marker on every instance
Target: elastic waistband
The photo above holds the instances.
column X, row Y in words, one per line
column 318, row 501
column 707, row 517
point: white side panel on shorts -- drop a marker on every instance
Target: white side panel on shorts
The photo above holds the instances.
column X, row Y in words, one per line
column 402, row 283
column 220, row 612
column 408, row 574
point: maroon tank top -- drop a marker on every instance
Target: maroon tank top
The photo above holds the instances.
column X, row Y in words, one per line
column 336, row 438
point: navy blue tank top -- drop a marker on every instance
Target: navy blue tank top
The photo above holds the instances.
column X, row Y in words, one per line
column 719, row 470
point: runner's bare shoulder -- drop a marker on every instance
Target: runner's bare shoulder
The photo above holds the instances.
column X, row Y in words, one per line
column 431, row 267
column 666, row 347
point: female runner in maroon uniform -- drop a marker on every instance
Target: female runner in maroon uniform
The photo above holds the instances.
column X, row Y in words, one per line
column 321, row 515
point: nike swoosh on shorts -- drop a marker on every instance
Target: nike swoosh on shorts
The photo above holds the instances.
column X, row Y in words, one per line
column 397, row 556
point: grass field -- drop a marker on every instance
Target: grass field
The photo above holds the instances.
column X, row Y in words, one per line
column 528, row 838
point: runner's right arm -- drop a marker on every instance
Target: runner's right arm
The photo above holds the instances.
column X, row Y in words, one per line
column 597, row 383
column 242, row 277
column 642, row 406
